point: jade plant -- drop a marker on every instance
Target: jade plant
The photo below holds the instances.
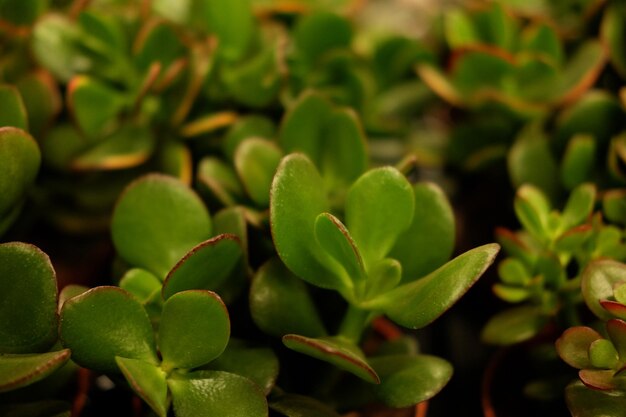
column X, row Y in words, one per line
column 29, row 352
column 370, row 261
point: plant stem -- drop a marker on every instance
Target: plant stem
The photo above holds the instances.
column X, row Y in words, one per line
column 353, row 323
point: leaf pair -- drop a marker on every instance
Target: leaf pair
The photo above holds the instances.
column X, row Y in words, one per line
column 28, row 317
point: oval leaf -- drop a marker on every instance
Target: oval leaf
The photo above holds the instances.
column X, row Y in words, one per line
column 598, row 280
column 573, row 346
column 335, row 350
column 103, row 323
column 256, row 161
column 514, row 325
column 418, row 303
column 18, row 371
column 216, row 393
column 280, row 303
column 194, row 329
column 156, row 221
column 28, row 300
column 379, row 207
column 148, row 381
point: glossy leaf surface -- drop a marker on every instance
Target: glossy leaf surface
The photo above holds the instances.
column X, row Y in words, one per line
column 379, row 207
column 280, row 303
column 598, row 281
column 216, row 393
column 28, row 300
column 418, row 303
column 194, row 329
column 103, row 323
column 156, row 221
column 17, row 371
column 148, row 381
column 207, row 266
column 407, row 380
column 573, row 346
column 335, row 350
column 429, row 240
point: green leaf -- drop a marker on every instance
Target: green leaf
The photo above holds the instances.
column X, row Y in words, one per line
column 216, row 393
column 19, row 162
column 18, row 371
column 95, row 105
column 258, row 364
column 459, row 29
column 256, row 161
column 407, row 380
column 194, row 329
column 42, row 100
column 232, row 221
column 335, row 239
column 612, row 33
column 234, row 25
column 543, row 40
column 148, row 381
column 600, row 379
column 602, row 354
column 157, row 42
column 418, row 303
column 55, row 44
column 221, row 180
column 174, row 158
column 429, row 241
column 208, row 266
column 335, row 350
column 13, row 110
column 280, row 303
column 573, row 346
column 587, row 402
column 297, row 198
column 294, row 405
column 156, row 221
column 581, row 71
column 532, row 209
column 616, row 329
column 530, row 161
column 598, row 280
column 579, row 205
column 511, row 294
column 28, row 300
column 382, row 276
column 578, row 160
column 103, row 323
column 318, row 33
column 614, row 206
column 244, row 128
column 331, row 137
column 140, row 283
column 379, row 207
column 514, row 325
column 513, row 272
column 127, row 147
column 572, row 240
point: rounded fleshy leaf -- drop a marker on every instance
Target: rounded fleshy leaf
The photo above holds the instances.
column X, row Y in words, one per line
column 579, row 205
column 581, row 71
column 19, row 163
column 614, row 205
column 418, row 303
column 617, row 332
column 156, row 221
column 13, row 110
column 220, row 180
column 252, row 126
column 532, row 209
column 578, row 161
column 600, row 379
column 514, row 325
column 586, row 402
column 140, row 283
column 335, row 239
column 28, row 300
column 234, row 26
column 103, row 323
column 379, row 207
column 194, row 329
column 18, row 371
column 428, row 242
column 148, row 381
column 297, row 198
column 332, row 138
column 294, row 405
column 598, row 281
column 318, row 33
column 216, row 393
column 95, row 105
column 259, row 364
column 208, row 266
column 602, row 354
column 256, row 161
column 280, row 303
column 407, row 380
column 335, row 350
column 573, row 346
column 42, row 100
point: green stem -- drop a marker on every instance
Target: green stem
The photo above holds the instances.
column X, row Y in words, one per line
column 354, row 323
